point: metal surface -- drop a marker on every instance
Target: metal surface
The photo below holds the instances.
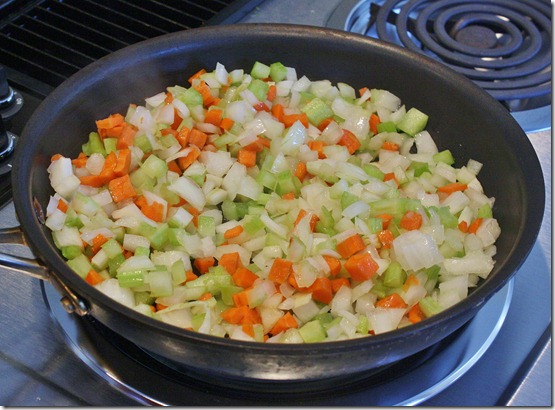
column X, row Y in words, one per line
column 37, row 368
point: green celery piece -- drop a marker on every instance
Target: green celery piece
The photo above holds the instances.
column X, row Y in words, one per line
column 139, row 177
column 191, row 97
column 112, row 248
column 419, row 168
column 95, row 144
column 413, row 122
column 433, row 272
column 80, row 264
column 86, row 148
column 313, row 332
column 278, row 72
column 287, row 182
column 227, row 293
column 160, row 282
column 206, row 226
column 178, row 272
column 394, row 276
column 260, row 70
column 325, row 319
column 72, row 219
column 252, row 224
column 110, row 144
column 446, row 218
column 173, row 235
column 143, row 143
column 259, row 88
column 379, row 289
column 144, row 297
column 154, row 167
column 485, row 211
column 375, row 224
column 159, row 237
column 429, row 306
column 114, row 264
column 444, row 156
column 229, row 210
column 71, row 251
column 197, row 321
column 267, row 179
column 130, row 279
column 373, row 171
column 317, row 110
column 142, row 251
column 387, row 126
column 363, row 325
column 347, row 199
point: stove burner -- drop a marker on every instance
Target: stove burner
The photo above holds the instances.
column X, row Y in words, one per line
column 504, row 46
column 145, row 379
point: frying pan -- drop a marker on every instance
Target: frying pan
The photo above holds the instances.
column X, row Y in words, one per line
column 463, row 118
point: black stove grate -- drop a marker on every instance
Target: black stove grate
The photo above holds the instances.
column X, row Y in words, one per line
column 50, row 40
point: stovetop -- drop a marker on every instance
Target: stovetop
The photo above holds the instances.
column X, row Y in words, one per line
column 39, row 367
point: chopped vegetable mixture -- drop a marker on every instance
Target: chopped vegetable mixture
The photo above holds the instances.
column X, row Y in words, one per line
column 268, row 207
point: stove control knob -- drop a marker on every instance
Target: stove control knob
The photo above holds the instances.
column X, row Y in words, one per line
column 11, row 101
column 7, row 145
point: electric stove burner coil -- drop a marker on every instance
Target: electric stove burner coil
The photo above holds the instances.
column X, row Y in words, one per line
column 503, row 45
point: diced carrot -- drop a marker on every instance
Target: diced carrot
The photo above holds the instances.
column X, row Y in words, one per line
column 324, row 123
column 93, row 278
column 244, row 277
column 246, row 157
column 392, row 301
column 190, row 275
column 93, row 180
column 56, row 157
column 285, row 322
column 318, row 146
column 193, row 211
column 196, row 75
column 204, row 90
column 241, row 298
column 300, row 170
column 390, row 176
column 362, row 90
column 160, row 306
column 186, row 161
column 258, row 145
column 411, row 280
column 289, row 119
column 154, row 211
column 415, row 314
column 169, row 98
column 205, row 296
column 374, row 121
column 386, row 219
column 62, row 206
column 127, row 136
column 350, row 246
column 277, row 112
column 97, row 242
column 168, row 131
column 248, row 329
column 114, row 132
column 334, row 264
column 110, row 162
column 197, row 137
column 280, row 270
column 80, row 161
column 261, row 106
column 183, row 137
column 411, row 220
column 361, row 266
column 452, row 187
column 288, row 196
column 123, row 162
column 233, row 232
column 337, row 283
column 174, row 167
column 350, row 141
column 121, row 188
column 386, row 238
column 390, row 146
column 231, row 262
column 475, row 225
column 463, row 226
column 214, row 117
column 110, row 122
column 203, row 264
column 226, row 123
column 272, row 92
column 177, row 120
column 241, row 315
column 293, row 282
column 321, row 290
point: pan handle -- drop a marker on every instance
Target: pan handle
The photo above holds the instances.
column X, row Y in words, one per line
column 31, row 267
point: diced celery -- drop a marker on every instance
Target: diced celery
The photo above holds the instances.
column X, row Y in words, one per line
column 387, row 126
column 419, row 168
column 267, row 179
column 379, row 289
column 80, row 264
column 100, row 260
column 317, row 110
column 260, row 70
column 72, row 219
column 447, row 219
column 373, row 171
column 375, row 224
column 312, row 332
column 485, row 211
column 363, row 325
column 197, row 320
column 444, row 156
column 84, row 204
column 178, row 272
column 95, row 144
column 142, row 251
column 71, row 251
column 143, row 143
column 110, row 144
column 159, row 237
column 325, row 319
column 278, row 72
column 131, row 279
column 191, row 97
column 160, row 283
column 394, row 276
column 112, row 248
column 433, row 272
column 252, row 224
column 114, row 264
column 144, row 297
column 413, row 121
column 139, row 178
column 347, row 199
column 154, row 167
column 206, row 226
column 229, row 210
column 227, row 293
column 287, row 182
column 429, row 306
column 259, row 88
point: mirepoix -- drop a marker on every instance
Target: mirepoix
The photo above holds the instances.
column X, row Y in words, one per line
column 265, row 206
